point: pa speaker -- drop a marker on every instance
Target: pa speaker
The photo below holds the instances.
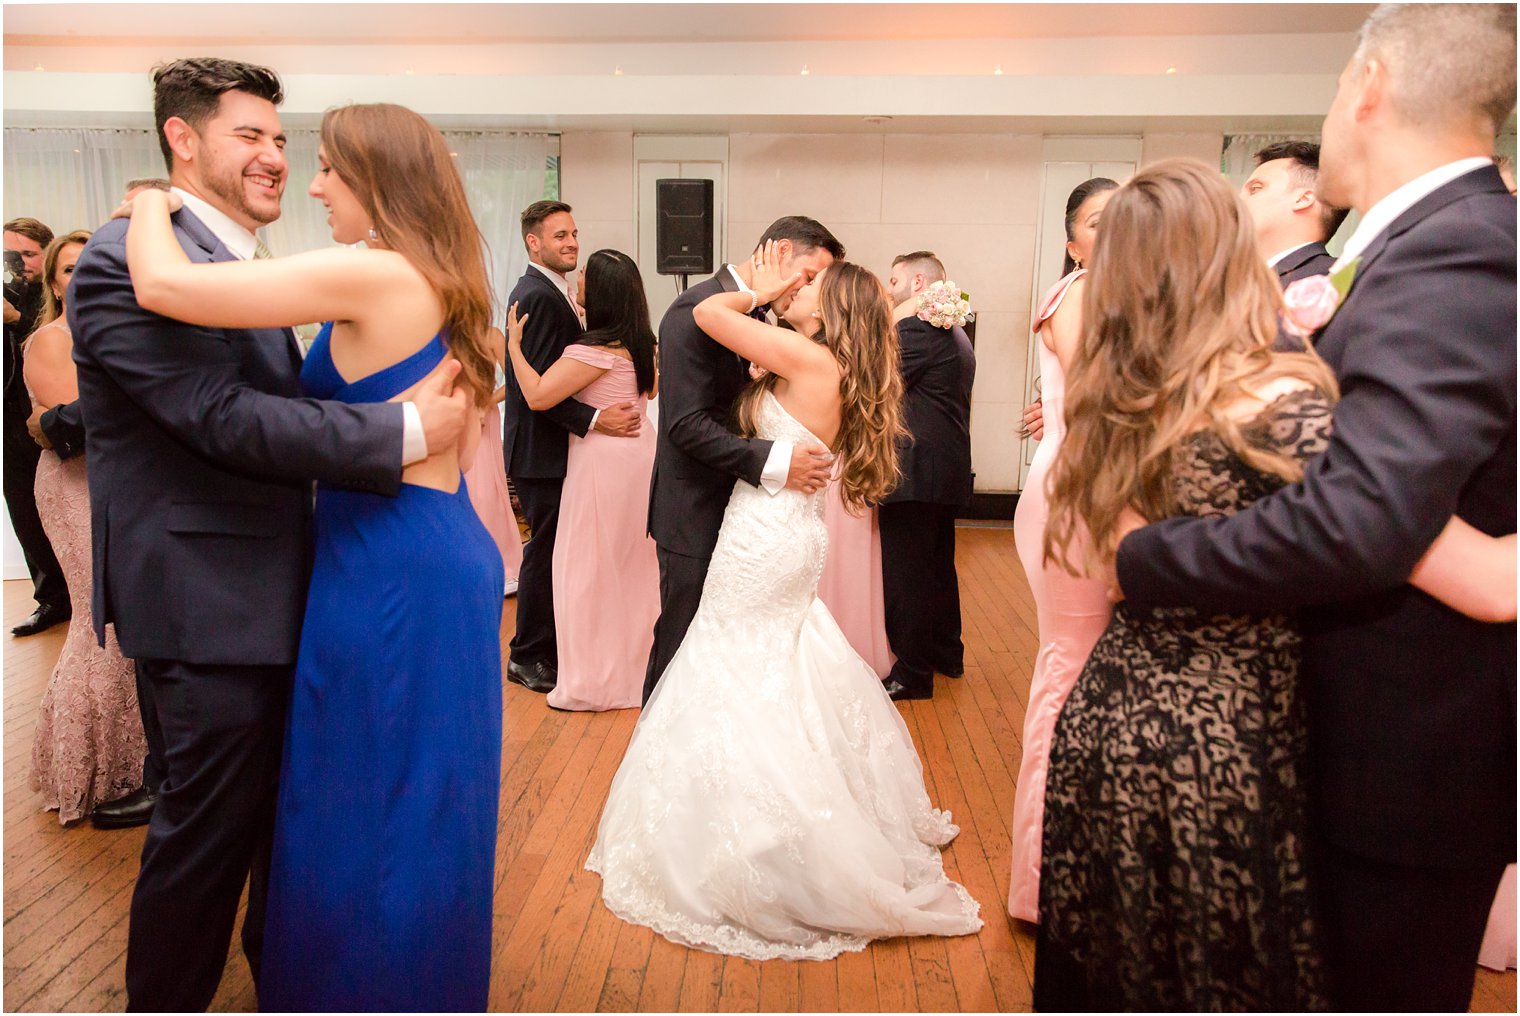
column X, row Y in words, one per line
column 683, row 227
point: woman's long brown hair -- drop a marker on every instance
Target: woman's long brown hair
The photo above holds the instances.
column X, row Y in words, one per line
column 858, row 330
column 399, row 167
column 1178, row 323
column 51, row 305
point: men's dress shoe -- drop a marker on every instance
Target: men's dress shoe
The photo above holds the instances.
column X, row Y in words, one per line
column 539, row 677
column 898, row 692
column 957, row 672
column 44, row 618
column 133, row 810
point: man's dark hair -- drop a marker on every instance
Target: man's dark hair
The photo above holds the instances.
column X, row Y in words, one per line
column 152, row 182
column 1305, row 158
column 32, row 229
column 928, row 257
column 534, row 215
column 192, row 89
column 806, row 233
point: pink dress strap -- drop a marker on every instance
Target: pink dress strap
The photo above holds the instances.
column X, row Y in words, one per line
column 1054, row 296
column 595, row 356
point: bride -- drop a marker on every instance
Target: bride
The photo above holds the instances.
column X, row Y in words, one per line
column 771, row 804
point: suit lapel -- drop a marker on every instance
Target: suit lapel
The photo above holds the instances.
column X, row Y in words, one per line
column 202, row 237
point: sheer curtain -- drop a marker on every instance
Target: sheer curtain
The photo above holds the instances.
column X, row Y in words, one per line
column 73, row 178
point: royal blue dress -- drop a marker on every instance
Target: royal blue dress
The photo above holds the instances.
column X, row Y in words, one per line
column 385, row 838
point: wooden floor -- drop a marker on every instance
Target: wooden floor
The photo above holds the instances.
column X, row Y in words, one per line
column 66, row 891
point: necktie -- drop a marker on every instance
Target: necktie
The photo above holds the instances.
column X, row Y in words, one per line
column 259, row 250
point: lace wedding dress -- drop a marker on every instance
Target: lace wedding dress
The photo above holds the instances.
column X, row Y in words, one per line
column 771, row 803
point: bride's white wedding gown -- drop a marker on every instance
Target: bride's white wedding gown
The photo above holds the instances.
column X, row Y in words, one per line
column 771, row 803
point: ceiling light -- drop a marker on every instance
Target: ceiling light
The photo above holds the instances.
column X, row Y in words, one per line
column 998, row 71
column 1171, row 70
column 805, row 70
column 410, row 72
column 37, row 68
column 617, row 71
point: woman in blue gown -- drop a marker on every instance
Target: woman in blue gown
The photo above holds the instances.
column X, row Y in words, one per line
column 384, row 843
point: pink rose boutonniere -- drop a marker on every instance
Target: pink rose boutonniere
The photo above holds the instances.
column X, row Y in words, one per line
column 1309, row 304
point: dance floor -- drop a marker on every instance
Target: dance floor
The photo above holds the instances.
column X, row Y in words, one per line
column 66, row 891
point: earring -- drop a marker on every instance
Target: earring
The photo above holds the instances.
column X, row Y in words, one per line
column 1075, row 260
column 372, row 234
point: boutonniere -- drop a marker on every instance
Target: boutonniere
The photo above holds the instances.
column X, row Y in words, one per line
column 1309, row 304
column 943, row 304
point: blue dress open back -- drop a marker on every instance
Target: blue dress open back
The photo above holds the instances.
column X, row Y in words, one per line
column 385, row 838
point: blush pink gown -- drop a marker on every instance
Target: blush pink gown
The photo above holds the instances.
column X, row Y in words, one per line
column 487, row 483
column 1498, row 950
column 1072, row 614
column 851, row 583
column 606, row 576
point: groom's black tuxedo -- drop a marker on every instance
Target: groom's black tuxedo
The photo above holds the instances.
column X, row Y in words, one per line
column 536, row 447
column 1411, row 706
column 697, row 458
column 200, row 456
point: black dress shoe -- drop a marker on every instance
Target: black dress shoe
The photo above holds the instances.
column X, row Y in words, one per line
column 898, row 692
column 540, row 677
column 44, row 618
column 948, row 672
column 133, row 810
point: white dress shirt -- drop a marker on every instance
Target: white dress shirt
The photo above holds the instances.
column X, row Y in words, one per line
column 1381, row 215
column 778, row 464
column 563, row 285
column 242, row 244
column 1272, row 261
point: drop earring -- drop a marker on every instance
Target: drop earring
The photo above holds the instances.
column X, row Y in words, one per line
column 373, row 235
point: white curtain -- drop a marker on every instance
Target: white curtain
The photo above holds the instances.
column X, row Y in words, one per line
column 72, row 178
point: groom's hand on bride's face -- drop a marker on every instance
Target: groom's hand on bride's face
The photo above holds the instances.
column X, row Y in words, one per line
column 621, row 420
column 811, row 465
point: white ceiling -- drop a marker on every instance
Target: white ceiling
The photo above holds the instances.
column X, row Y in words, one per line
column 369, row 23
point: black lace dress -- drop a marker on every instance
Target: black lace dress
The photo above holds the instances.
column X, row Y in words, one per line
column 1172, row 875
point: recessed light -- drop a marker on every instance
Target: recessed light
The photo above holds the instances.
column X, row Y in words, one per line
column 38, row 67
column 998, row 71
column 617, row 71
column 410, row 72
column 805, row 70
column 1171, row 70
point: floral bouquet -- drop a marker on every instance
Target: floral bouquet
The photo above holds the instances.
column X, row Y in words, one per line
column 944, row 305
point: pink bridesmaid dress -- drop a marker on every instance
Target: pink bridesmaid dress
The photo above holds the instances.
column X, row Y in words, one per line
column 606, row 576
column 1498, row 949
column 487, row 483
column 851, row 583
column 1072, row 614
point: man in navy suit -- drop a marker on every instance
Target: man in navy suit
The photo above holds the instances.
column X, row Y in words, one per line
column 201, row 452
column 1292, row 222
column 536, row 444
column 920, row 589
column 1411, row 706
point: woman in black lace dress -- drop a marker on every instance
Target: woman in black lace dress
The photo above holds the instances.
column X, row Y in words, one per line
column 1172, row 874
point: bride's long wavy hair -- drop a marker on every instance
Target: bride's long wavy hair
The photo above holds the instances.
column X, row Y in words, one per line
column 1178, row 323
column 857, row 328
column 398, row 166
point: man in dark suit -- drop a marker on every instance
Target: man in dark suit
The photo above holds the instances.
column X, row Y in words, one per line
column 1292, row 223
column 1411, row 706
column 28, row 239
column 536, row 444
column 698, row 456
column 200, row 454
column 920, row 590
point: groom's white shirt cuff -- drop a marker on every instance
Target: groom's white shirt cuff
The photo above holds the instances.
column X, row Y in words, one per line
column 242, row 244
column 779, row 463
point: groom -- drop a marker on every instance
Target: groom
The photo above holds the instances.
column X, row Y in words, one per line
column 201, row 454
column 697, row 457
column 1411, row 706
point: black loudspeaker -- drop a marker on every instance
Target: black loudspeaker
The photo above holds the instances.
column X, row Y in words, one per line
column 683, row 227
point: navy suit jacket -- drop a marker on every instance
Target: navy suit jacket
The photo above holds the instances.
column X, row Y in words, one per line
column 536, row 445
column 938, row 368
column 1411, row 705
column 697, row 454
column 1311, row 259
column 201, row 454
